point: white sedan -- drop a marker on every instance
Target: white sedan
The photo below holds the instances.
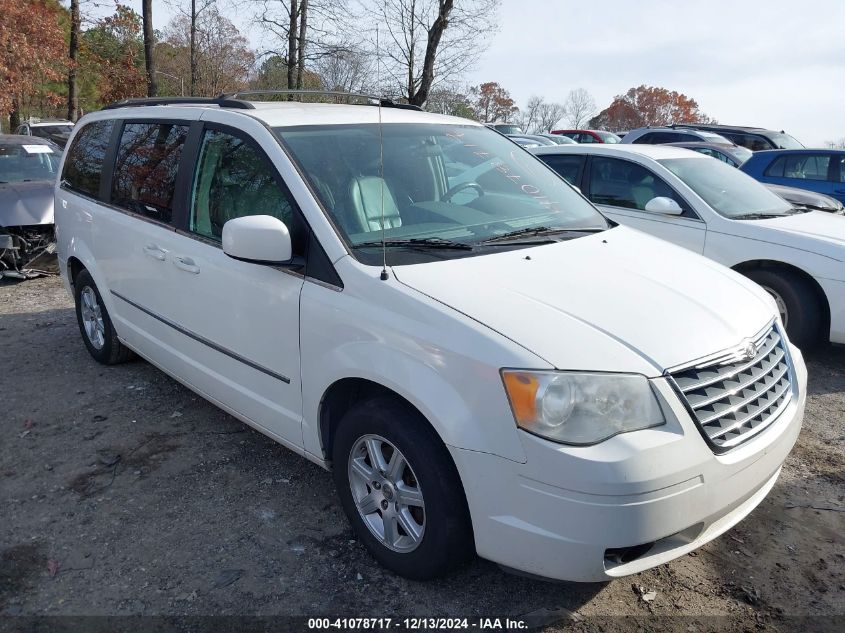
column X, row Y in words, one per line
column 718, row 211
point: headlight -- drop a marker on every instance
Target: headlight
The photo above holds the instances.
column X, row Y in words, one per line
column 580, row 409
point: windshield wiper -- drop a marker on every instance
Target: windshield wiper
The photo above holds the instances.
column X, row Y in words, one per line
column 417, row 242
column 760, row 216
column 536, row 231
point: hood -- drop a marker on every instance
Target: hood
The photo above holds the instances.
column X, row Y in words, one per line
column 816, row 232
column 26, row 203
column 806, row 198
column 615, row 301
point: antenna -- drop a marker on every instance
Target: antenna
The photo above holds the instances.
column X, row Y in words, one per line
column 384, row 276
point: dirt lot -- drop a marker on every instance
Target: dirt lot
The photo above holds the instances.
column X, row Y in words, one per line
column 122, row 493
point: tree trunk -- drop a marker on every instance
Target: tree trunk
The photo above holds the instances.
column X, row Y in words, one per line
column 147, row 17
column 193, row 47
column 435, row 33
column 292, row 33
column 73, row 56
column 411, row 53
column 14, row 117
column 300, row 53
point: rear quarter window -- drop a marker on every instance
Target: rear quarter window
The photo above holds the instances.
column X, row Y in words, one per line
column 83, row 166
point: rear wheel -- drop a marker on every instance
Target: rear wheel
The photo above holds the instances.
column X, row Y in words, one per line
column 400, row 489
column 96, row 327
column 797, row 304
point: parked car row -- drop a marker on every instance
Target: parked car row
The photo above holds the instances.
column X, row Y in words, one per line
column 488, row 360
column 720, row 212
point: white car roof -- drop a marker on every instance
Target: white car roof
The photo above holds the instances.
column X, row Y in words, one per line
column 655, row 152
column 293, row 113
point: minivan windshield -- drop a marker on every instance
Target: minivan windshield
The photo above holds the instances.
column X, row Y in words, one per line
column 447, row 191
column 726, row 189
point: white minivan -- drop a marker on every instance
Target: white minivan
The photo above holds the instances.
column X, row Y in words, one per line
column 485, row 362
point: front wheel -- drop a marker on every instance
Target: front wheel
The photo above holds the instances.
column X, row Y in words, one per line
column 797, row 304
column 400, row 489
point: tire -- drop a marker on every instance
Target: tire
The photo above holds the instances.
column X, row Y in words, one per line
column 95, row 325
column 797, row 302
column 445, row 540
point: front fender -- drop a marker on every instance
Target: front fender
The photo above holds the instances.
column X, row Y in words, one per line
column 444, row 364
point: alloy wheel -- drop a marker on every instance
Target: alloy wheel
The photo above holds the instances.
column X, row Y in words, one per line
column 386, row 493
column 92, row 318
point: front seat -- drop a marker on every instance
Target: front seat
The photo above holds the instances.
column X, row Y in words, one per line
column 366, row 195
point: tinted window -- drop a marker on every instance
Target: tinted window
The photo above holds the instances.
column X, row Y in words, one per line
column 620, row 183
column 839, row 174
column 84, row 161
column 800, row 167
column 753, row 142
column 233, row 179
column 569, row 167
column 145, row 170
column 776, row 168
column 586, row 138
column 655, row 138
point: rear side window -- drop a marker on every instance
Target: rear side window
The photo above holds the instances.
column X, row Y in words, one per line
column 569, row 167
column 145, row 170
column 84, row 161
column 800, row 167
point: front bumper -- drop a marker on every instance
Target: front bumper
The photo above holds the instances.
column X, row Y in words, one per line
column 632, row 502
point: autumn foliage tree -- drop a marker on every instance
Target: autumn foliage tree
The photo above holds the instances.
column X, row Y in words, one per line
column 649, row 105
column 32, row 53
column 113, row 56
column 492, row 103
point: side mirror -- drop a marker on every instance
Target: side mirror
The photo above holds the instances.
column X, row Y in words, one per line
column 663, row 205
column 262, row 239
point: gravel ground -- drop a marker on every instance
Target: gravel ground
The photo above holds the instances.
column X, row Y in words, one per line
column 123, row 493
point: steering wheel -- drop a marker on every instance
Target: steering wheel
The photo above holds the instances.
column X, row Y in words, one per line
column 460, row 187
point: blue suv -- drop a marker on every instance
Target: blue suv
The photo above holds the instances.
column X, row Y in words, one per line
column 818, row 170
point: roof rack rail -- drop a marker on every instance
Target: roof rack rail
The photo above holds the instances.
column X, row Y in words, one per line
column 235, row 100
column 223, row 101
column 337, row 95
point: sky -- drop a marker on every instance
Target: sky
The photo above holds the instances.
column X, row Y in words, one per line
column 771, row 63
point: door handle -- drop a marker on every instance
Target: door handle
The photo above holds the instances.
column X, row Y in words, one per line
column 155, row 252
column 186, row 263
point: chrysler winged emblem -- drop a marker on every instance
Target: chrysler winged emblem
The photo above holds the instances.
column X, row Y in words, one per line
column 748, row 350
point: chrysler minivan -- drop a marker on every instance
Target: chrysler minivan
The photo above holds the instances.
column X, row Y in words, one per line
column 486, row 363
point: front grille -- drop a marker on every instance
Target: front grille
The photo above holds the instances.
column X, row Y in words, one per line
column 737, row 395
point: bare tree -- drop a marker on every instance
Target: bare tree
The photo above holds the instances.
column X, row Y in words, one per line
column 222, row 60
column 530, row 114
column 73, row 62
column 840, row 144
column 540, row 115
column 579, row 108
column 429, row 41
column 549, row 115
column 348, row 70
column 308, row 30
column 149, row 42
